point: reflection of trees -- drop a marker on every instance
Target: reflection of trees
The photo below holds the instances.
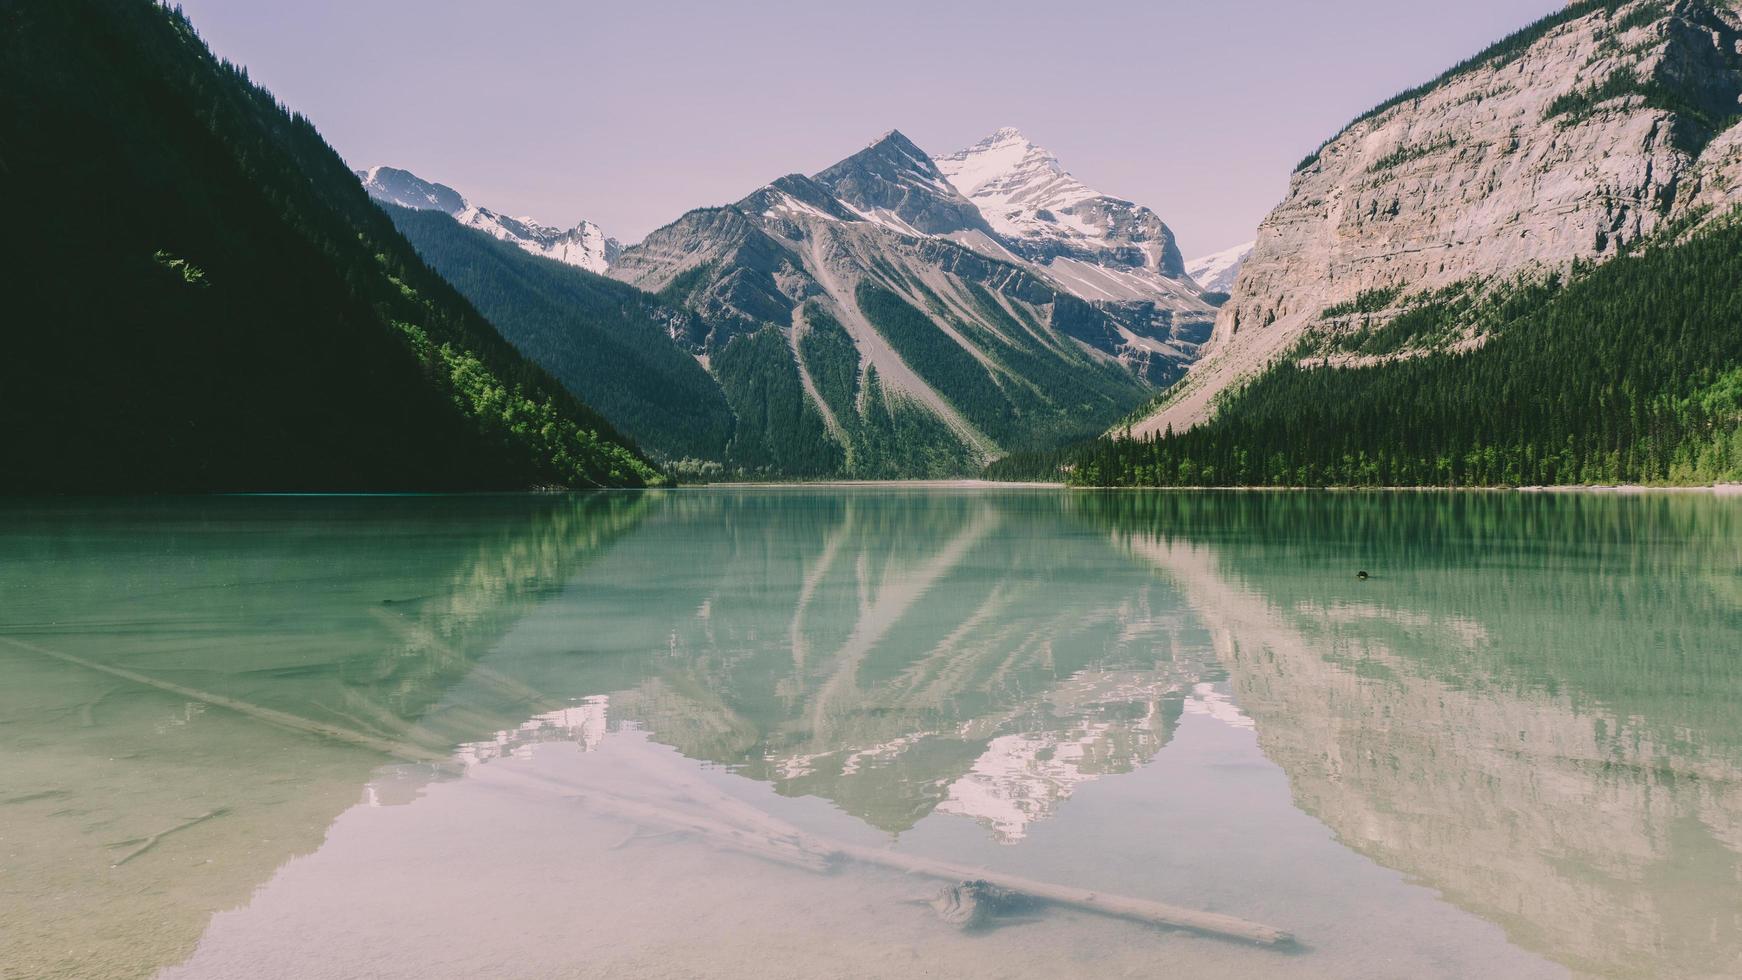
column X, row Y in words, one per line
column 1534, row 707
column 900, row 654
column 356, row 614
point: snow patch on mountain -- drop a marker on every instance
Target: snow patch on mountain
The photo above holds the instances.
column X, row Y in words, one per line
column 1012, row 180
column 1110, row 248
column 585, row 245
column 1216, row 272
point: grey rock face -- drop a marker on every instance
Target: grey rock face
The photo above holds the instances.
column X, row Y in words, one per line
column 895, row 182
column 724, row 266
column 1597, row 133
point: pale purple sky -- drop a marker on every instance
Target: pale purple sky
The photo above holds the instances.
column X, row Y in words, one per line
column 630, row 113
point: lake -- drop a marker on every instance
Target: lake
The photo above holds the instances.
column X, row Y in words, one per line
column 733, row 732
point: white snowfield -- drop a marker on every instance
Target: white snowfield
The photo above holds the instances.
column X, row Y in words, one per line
column 1100, row 247
column 1217, row 271
column 585, row 245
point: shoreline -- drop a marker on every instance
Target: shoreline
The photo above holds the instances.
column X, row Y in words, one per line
column 964, row 484
column 1718, row 490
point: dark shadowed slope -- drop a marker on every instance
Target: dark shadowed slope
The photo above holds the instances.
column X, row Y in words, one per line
column 609, row 343
column 201, row 296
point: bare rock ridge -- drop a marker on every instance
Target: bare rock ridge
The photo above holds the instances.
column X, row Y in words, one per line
column 894, row 183
column 1600, row 125
column 585, row 245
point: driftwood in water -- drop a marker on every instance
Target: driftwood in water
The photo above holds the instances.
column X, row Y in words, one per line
column 271, row 716
column 788, row 851
column 973, row 905
column 1117, row 906
column 149, row 841
column 766, row 836
column 764, row 840
column 769, row 836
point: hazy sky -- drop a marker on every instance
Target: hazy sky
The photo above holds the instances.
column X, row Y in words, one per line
column 630, row 113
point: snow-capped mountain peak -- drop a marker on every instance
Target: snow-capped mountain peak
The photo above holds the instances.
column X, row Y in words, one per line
column 1216, row 272
column 408, row 190
column 1099, row 246
column 585, row 245
column 1007, row 165
column 896, row 184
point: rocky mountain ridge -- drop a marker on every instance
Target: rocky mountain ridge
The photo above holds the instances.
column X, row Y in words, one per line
column 584, row 246
column 887, row 260
column 1599, row 126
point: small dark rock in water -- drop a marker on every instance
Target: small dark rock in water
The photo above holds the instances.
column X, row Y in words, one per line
column 1361, row 575
column 974, row 904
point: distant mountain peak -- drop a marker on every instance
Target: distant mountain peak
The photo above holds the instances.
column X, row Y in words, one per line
column 890, row 155
column 408, row 190
column 1100, row 246
column 895, row 183
column 894, row 137
column 585, row 245
column 1007, row 163
column 1217, row 271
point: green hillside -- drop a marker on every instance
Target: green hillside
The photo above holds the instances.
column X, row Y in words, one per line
column 202, row 296
column 607, row 342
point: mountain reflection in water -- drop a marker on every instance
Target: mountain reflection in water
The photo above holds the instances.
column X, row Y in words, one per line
column 1531, row 709
column 1536, row 709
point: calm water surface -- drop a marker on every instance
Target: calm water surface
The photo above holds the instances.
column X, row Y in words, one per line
column 563, row 736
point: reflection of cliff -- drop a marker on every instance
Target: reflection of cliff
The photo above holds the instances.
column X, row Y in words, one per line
column 360, row 615
column 894, row 654
column 1472, row 719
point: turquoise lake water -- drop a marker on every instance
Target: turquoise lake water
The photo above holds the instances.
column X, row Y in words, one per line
column 577, row 736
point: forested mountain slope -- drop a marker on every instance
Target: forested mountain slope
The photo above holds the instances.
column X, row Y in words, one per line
column 607, row 342
column 1523, row 272
column 203, row 297
column 1630, row 371
column 1601, row 125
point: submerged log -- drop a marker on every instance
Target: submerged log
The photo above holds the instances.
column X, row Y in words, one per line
column 773, row 838
column 765, row 836
column 149, row 841
column 1117, row 906
column 271, row 716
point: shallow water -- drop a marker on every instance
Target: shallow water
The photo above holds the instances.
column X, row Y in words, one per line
column 560, row 736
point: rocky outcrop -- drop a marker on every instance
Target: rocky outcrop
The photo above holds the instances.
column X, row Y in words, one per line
column 1594, row 128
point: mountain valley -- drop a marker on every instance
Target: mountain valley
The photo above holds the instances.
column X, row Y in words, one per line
column 871, row 321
